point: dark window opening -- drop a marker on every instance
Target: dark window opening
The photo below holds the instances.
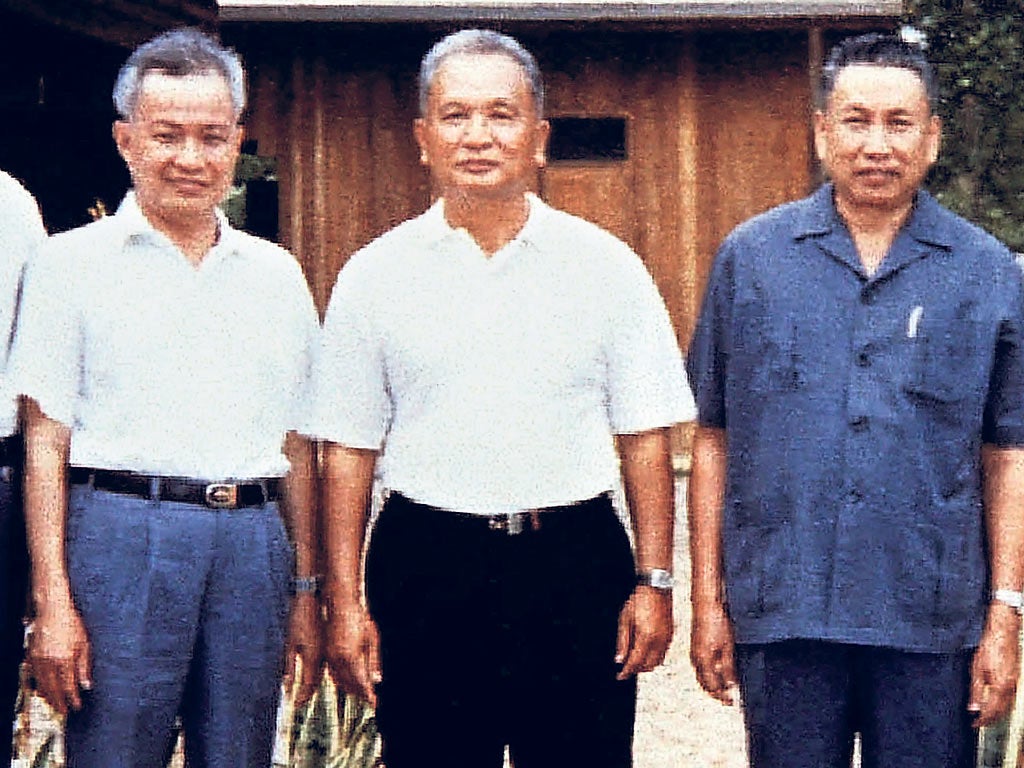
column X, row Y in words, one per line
column 587, row 138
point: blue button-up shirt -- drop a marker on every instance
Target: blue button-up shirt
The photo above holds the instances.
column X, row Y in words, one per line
column 855, row 407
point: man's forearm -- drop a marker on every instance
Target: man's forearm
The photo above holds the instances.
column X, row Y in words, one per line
column 649, row 484
column 1004, row 515
column 348, row 482
column 47, row 444
column 706, row 494
column 300, row 503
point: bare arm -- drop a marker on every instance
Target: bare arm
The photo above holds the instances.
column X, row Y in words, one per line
column 299, row 512
column 997, row 660
column 711, row 641
column 645, row 624
column 59, row 650
column 352, row 642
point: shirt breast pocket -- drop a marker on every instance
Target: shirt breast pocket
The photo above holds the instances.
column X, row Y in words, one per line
column 766, row 354
column 949, row 361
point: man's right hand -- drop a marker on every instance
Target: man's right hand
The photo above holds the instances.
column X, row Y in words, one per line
column 353, row 651
column 60, row 658
column 711, row 652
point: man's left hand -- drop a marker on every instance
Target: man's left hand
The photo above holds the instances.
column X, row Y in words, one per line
column 645, row 631
column 304, row 653
column 995, row 667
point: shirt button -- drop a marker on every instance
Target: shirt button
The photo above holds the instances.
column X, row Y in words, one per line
column 863, row 359
column 854, row 496
column 859, row 423
column 867, row 296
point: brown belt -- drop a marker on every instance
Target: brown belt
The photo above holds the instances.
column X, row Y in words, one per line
column 235, row 495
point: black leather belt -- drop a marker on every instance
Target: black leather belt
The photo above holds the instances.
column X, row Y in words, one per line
column 248, row 493
column 509, row 523
column 12, row 451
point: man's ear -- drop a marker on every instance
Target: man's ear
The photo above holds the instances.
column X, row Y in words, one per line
column 419, row 129
column 540, row 152
column 122, row 130
column 820, row 135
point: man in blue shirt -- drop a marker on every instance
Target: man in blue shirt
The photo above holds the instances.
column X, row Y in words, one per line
column 858, row 365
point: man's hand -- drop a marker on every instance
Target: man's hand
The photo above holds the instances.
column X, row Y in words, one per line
column 60, row 658
column 645, row 631
column 353, row 651
column 995, row 667
column 304, row 653
column 711, row 652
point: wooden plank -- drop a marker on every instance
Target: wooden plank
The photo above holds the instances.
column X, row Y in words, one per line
column 550, row 10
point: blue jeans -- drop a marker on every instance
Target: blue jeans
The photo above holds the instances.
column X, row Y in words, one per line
column 804, row 700
column 186, row 609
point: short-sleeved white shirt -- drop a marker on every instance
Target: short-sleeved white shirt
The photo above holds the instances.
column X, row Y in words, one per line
column 497, row 383
column 21, row 232
column 162, row 367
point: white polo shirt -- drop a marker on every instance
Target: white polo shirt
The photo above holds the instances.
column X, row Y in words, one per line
column 162, row 367
column 494, row 384
column 21, row 232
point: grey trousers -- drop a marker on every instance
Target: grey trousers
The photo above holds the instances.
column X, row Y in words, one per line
column 186, row 609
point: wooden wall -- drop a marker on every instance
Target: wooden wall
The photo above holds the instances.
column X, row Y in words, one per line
column 717, row 130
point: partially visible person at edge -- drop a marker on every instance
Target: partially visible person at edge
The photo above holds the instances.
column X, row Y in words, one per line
column 164, row 359
column 21, row 233
column 857, row 492
column 500, row 358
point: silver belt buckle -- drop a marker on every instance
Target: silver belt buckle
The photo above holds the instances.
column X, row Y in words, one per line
column 222, row 495
column 512, row 523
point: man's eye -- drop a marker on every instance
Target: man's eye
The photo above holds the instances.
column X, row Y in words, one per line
column 215, row 140
column 165, row 138
column 455, row 116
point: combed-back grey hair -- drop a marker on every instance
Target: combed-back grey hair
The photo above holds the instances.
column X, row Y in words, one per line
column 480, row 41
column 878, row 50
column 179, row 52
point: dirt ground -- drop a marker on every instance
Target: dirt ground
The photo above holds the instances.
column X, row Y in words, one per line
column 677, row 723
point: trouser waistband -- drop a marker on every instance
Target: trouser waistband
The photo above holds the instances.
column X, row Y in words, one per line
column 227, row 495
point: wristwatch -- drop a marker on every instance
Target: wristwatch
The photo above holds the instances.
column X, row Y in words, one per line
column 1010, row 597
column 305, row 585
column 656, row 578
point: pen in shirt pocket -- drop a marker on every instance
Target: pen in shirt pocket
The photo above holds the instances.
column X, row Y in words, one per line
column 913, row 321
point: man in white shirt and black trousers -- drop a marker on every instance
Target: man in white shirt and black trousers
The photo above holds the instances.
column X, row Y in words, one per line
column 164, row 359
column 21, row 232
column 501, row 359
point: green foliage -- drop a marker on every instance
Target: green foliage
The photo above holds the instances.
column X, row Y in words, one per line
column 978, row 49
column 334, row 731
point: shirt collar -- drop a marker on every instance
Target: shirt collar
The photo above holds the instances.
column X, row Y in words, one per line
column 438, row 229
column 135, row 226
column 927, row 224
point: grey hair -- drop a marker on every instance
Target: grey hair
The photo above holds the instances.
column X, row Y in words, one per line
column 480, row 41
column 179, row 52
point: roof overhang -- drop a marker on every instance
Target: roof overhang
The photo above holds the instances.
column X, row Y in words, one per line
column 551, row 10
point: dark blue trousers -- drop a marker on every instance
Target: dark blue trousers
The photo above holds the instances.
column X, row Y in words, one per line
column 490, row 640
column 186, row 609
column 804, row 701
column 13, row 578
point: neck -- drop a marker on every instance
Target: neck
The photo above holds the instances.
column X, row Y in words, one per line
column 194, row 235
column 873, row 229
column 492, row 222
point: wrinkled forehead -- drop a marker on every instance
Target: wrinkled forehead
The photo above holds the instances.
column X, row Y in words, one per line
column 205, row 94
column 879, row 85
column 465, row 74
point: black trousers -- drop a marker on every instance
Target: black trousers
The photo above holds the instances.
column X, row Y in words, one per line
column 490, row 640
column 13, row 582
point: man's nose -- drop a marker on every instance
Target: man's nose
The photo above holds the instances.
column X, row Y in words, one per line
column 189, row 151
column 876, row 140
column 478, row 130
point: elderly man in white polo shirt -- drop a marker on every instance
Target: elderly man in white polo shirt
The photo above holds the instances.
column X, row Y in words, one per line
column 21, row 232
column 502, row 359
column 165, row 357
